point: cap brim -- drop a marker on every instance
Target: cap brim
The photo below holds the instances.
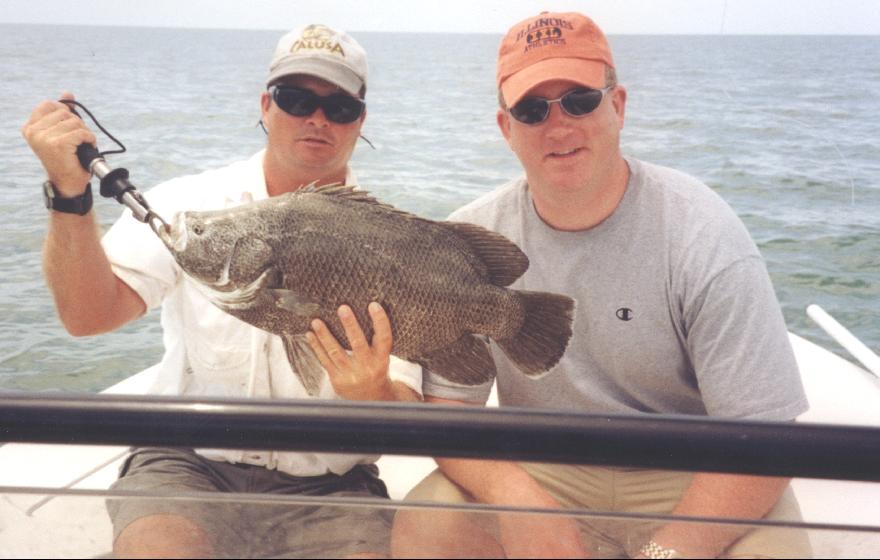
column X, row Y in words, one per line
column 328, row 70
column 588, row 73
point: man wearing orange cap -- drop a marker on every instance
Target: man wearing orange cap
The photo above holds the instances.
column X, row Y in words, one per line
column 675, row 315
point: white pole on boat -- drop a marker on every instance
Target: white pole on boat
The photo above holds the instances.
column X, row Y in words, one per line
column 845, row 338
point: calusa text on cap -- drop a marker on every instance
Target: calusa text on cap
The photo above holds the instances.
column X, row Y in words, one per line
column 317, row 38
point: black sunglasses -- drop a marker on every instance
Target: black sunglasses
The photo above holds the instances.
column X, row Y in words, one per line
column 576, row 103
column 340, row 108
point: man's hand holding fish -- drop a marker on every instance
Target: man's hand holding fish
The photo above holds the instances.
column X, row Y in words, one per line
column 363, row 373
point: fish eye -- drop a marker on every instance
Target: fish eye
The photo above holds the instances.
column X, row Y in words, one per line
column 198, row 230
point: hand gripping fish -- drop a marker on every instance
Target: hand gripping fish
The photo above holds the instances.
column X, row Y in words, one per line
column 279, row 263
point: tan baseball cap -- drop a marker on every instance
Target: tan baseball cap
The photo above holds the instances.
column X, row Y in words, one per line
column 552, row 46
column 322, row 52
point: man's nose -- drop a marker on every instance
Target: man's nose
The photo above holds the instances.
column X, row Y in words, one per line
column 558, row 123
column 318, row 118
column 557, row 113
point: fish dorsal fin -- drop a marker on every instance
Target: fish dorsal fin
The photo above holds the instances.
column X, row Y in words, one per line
column 356, row 194
column 503, row 258
column 350, row 192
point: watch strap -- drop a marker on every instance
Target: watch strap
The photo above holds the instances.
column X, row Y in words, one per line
column 80, row 204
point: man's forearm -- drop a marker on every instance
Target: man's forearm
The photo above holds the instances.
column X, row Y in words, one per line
column 497, row 482
column 722, row 496
column 402, row 392
column 520, row 535
column 506, row 483
column 90, row 299
column 493, row 482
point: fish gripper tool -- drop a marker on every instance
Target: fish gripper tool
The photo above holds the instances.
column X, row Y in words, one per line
column 115, row 184
column 114, row 181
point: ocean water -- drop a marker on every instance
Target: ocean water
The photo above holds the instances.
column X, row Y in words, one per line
column 785, row 128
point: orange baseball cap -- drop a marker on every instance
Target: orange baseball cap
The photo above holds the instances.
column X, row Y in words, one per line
column 552, row 46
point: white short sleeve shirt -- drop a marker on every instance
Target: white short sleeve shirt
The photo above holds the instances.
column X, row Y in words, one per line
column 207, row 351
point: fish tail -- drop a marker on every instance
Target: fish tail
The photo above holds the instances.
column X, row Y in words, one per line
column 545, row 332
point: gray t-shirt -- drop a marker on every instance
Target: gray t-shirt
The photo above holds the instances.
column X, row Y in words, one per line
column 675, row 312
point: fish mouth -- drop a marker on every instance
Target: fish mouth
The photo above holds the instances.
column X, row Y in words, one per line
column 176, row 239
column 174, row 236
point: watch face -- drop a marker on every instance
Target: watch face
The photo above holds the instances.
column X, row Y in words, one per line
column 48, row 194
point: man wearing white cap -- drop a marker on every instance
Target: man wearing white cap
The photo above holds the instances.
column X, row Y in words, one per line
column 675, row 315
column 313, row 111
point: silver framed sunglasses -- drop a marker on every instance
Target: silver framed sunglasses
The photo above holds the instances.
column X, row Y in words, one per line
column 578, row 102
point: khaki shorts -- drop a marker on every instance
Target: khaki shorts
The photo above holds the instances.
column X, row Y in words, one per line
column 635, row 491
column 255, row 530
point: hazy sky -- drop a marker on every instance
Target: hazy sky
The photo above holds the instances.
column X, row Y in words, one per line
column 615, row 16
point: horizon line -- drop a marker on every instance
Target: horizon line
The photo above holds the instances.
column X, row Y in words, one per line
column 436, row 32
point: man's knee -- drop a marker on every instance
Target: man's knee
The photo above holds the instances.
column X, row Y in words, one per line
column 163, row 536
column 440, row 532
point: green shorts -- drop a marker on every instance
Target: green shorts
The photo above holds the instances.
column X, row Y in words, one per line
column 255, row 530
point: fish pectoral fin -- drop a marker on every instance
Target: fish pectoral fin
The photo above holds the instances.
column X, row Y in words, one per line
column 294, row 303
column 467, row 361
column 304, row 362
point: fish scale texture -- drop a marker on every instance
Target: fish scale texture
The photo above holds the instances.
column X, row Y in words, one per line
column 432, row 287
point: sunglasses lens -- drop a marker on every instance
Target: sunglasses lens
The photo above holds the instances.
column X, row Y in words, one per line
column 581, row 101
column 295, row 101
column 338, row 107
column 530, row 110
column 341, row 108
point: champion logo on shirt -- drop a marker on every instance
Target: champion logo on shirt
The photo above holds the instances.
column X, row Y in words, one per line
column 625, row 314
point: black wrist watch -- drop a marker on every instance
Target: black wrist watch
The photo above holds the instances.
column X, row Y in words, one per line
column 79, row 205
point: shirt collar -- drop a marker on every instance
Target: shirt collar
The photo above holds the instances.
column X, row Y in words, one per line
column 260, row 191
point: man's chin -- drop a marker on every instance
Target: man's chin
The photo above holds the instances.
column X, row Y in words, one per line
column 564, row 179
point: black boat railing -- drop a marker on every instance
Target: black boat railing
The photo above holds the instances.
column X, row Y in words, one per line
column 650, row 441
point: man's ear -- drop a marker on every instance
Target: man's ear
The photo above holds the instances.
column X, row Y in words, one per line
column 503, row 120
column 265, row 103
column 618, row 99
